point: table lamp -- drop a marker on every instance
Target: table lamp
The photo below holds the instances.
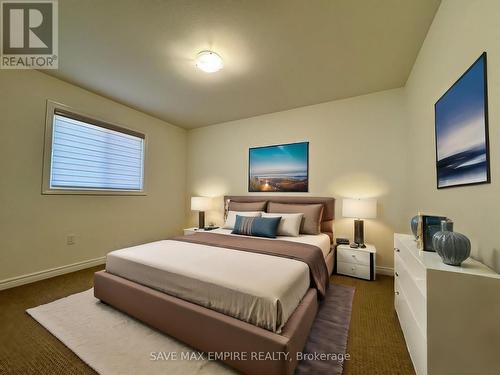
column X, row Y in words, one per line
column 201, row 204
column 359, row 209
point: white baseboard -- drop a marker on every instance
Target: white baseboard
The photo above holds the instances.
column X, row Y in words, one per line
column 46, row 274
column 385, row 271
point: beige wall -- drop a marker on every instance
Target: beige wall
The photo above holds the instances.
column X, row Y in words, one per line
column 461, row 31
column 379, row 145
column 33, row 227
column 355, row 151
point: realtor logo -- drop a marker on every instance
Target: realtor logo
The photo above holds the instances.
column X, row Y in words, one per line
column 29, row 34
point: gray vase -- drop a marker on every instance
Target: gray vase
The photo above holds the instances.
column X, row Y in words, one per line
column 414, row 225
column 452, row 247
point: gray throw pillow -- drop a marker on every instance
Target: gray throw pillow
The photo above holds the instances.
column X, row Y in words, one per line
column 247, row 206
column 311, row 221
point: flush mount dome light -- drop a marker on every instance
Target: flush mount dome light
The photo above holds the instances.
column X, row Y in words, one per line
column 209, row 62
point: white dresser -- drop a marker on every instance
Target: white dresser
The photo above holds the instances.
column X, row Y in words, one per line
column 450, row 316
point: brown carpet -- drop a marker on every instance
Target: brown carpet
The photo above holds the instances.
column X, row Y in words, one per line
column 375, row 342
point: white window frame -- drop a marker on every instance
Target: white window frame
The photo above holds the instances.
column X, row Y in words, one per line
column 52, row 107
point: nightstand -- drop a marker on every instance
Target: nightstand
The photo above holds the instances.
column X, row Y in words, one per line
column 193, row 230
column 189, row 231
column 356, row 262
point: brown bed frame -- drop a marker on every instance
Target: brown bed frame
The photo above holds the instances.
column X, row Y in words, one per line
column 210, row 331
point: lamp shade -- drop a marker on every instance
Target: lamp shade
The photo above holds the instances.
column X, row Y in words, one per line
column 359, row 208
column 200, row 203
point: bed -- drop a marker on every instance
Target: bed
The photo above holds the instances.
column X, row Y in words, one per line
column 201, row 291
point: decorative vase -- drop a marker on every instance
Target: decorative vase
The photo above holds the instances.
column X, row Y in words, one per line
column 452, row 247
column 414, row 225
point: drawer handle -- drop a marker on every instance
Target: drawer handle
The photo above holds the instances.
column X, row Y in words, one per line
column 397, row 293
column 396, row 250
column 397, row 274
column 353, row 255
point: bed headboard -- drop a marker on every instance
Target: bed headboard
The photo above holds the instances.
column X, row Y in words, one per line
column 327, row 202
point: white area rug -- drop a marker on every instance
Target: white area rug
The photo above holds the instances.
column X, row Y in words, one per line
column 113, row 343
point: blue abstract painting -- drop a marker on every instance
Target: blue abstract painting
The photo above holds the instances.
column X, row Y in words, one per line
column 281, row 168
column 462, row 149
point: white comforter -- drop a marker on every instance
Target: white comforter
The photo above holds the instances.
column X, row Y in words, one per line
column 260, row 289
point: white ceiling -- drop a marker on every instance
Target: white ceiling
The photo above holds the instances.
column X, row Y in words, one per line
column 278, row 54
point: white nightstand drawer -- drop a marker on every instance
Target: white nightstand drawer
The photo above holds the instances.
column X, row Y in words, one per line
column 353, row 269
column 353, row 256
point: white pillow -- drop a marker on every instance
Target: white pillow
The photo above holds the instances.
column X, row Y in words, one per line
column 231, row 217
column 289, row 223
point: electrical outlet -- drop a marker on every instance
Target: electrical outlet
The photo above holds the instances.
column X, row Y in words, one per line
column 70, row 239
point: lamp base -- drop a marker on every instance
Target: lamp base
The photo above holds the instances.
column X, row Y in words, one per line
column 359, row 233
column 201, row 219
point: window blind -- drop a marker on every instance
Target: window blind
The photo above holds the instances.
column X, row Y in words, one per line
column 89, row 156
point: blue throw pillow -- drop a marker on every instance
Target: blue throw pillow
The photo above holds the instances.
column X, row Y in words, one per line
column 256, row 226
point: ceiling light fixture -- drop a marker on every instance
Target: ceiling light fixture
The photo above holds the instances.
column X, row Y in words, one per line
column 209, row 62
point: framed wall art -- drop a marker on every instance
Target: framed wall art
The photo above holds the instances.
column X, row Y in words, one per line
column 279, row 168
column 461, row 121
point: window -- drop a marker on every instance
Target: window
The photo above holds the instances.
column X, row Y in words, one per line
column 88, row 156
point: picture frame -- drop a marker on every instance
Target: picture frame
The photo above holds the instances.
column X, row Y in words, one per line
column 430, row 225
column 461, row 130
column 282, row 168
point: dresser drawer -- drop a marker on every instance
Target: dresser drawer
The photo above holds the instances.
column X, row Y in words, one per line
column 415, row 296
column 415, row 341
column 353, row 256
column 413, row 265
column 353, row 269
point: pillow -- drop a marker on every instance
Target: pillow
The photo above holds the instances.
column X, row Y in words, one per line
column 311, row 220
column 247, row 206
column 256, row 226
column 231, row 217
column 289, row 224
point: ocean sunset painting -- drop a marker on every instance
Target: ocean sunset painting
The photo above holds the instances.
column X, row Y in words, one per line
column 282, row 168
column 462, row 150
